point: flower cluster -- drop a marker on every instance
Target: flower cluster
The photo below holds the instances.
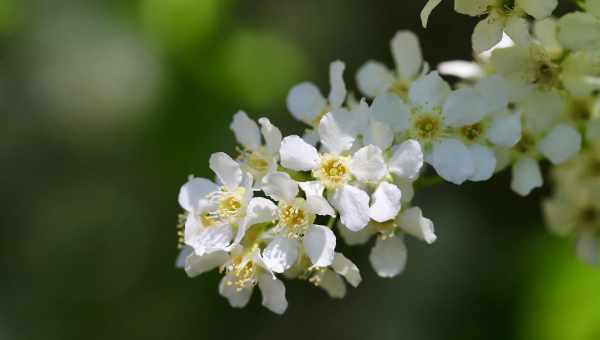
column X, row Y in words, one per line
column 531, row 94
column 575, row 206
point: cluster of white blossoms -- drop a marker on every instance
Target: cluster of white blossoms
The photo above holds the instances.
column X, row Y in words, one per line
column 531, row 94
column 574, row 209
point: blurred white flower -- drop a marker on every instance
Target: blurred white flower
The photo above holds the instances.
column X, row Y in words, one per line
column 308, row 105
column 374, row 78
column 257, row 158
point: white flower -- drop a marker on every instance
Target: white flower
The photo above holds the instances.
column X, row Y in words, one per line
column 388, row 256
column 256, row 158
column 574, row 208
column 431, row 117
column 580, row 73
column 333, row 168
column 294, row 223
column 244, row 270
column 488, row 32
column 215, row 212
column 374, row 78
column 544, row 135
column 331, row 279
column 307, row 104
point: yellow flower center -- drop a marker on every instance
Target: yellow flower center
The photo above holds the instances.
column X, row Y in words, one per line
column 294, row 218
column 257, row 162
column 334, row 171
column 526, row 144
column 385, row 229
column 228, row 207
column 401, row 89
column 472, row 132
column 244, row 272
column 427, row 127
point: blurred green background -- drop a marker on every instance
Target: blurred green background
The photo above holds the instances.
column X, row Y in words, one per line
column 108, row 106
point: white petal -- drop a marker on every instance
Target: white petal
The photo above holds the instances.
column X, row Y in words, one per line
column 206, row 240
column 379, row 134
column 318, row 205
column 343, row 266
column 561, row 144
column 273, row 293
column 579, row 31
column 494, row 92
column 542, row 109
column 193, row 191
column 473, row 8
column 353, row 206
column 512, row 62
column 280, row 186
column 296, row 154
column 587, row 247
column 452, row 161
column 487, row 33
column 373, row 78
column 333, row 284
column 319, row 244
column 338, row 87
column 526, row 176
column 484, row 161
column 389, row 109
column 413, row 223
column 368, row 165
column 505, row 130
column 353, row 238
column 407, row 160
column 236, row 298
column 406, row 51
column 463, row 107
column 310, row 188
column 538, row 9
column 196, row 265
column 546, row 31
column 386, row 202
column 427, row 9
column 306, row 102
column 311, row 136
column 429, row 91
column 505, row 42
column 272, row 135
column 460, row 68
column 337, row 131
column 260, row 210
column 245, row 130
column 227, row 170
column 183, row 254
column 359, row 116
column 281, row 254
column 388, row 257
column 518, row 29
